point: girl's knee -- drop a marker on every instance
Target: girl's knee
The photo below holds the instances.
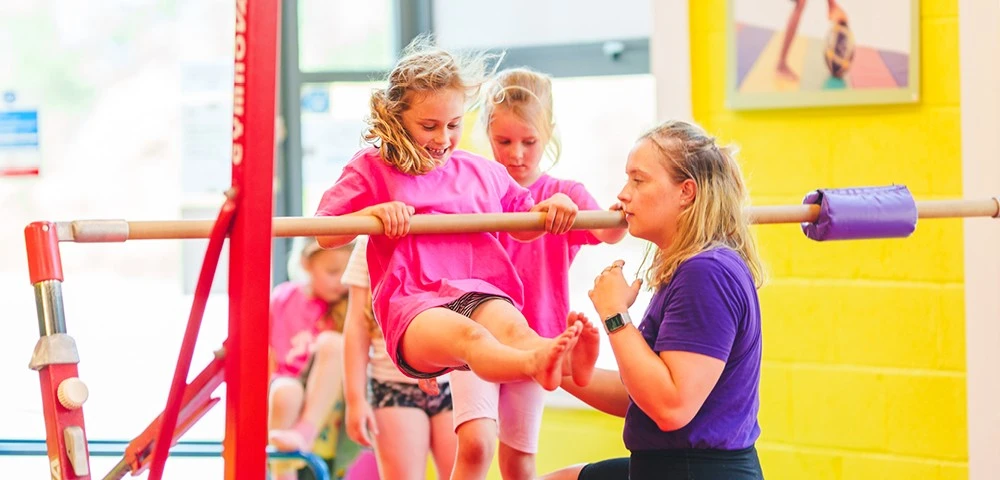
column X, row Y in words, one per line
column 286, row 394
column 472, row 333
column 516, row 464
column 509, row 323
column 475, row 452
column 476, row 446
column 329, row 343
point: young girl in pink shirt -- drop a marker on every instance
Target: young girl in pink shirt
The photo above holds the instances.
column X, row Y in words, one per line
column 380, row 398
column 306, row 321
column 517, row 113
column 444, row 301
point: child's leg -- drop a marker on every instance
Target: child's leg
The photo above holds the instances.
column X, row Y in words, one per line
column 285, row 398
column 581, row 357
column 515, row 464
column 326, row 380
column 402, row 443
column 790, row 29
column 476, row 403
column 508, row 325
column 444, row 443
column 477, row 440
column 323, row 388
column 520, row 420
column 496, row 343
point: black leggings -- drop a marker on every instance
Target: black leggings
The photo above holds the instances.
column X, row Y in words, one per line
column 690, row 464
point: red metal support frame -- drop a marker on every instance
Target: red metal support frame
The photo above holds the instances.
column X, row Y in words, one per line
column 166, row 437
column 196, row 402
column 56, row 359
column 42, row 244
column 254, row 104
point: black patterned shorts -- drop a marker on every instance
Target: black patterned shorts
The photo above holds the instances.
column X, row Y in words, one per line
column 464, row 305
column 467, row 304
column 408, row 395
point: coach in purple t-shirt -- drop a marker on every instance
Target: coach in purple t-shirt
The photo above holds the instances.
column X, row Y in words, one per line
column 688, row 376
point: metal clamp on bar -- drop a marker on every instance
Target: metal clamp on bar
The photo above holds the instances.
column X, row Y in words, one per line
column 58, row 348
column 92, row 231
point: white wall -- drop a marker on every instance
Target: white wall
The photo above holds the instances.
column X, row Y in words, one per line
column 487, row 24
column 882, row 24
column 979, row 24
column 670, row 59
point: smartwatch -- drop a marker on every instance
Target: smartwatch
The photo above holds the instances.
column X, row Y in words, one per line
column 616, row 322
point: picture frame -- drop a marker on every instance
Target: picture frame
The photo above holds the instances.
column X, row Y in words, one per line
column 842, row 52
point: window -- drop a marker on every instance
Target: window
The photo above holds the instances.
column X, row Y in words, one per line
column 126, row 110
column 599, row 119
column 333, row 120
column 346, row 35
column 532, row 23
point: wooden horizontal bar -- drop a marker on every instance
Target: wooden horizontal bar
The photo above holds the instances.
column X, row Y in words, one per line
column 121, row 230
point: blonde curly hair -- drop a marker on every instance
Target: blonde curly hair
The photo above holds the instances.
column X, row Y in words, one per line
column 422, row 68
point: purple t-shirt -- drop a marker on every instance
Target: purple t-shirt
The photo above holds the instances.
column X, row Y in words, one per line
column 710, row 307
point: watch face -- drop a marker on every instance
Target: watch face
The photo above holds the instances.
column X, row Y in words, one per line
column 615, row 322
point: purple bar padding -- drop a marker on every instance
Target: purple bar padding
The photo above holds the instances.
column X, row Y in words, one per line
column 862, row 213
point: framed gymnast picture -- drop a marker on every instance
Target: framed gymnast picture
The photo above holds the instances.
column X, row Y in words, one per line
column 811, row 53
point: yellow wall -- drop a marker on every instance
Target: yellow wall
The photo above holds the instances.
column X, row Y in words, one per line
column 570, row 437
column 864, row 356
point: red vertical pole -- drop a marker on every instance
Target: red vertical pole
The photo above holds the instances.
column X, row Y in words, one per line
column 254, row 103
column 56, row 358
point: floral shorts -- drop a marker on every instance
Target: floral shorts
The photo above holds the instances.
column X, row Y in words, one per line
column 408, row 395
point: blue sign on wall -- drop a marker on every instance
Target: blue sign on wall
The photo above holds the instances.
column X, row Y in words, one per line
column 19, row 129
column 316, row 101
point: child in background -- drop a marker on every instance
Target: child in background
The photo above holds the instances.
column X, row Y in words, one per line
column 381, row 399
column 444, row 301
column 517, row 113
column 306, row 324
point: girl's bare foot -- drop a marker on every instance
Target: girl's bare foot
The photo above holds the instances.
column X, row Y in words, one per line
column 288, row 441
column 583, row 357
column 547, row 365
column 300, row 437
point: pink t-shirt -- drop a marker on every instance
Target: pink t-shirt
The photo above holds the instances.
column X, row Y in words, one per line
column 543, row 264
column 418, row 272
column 294, row 325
